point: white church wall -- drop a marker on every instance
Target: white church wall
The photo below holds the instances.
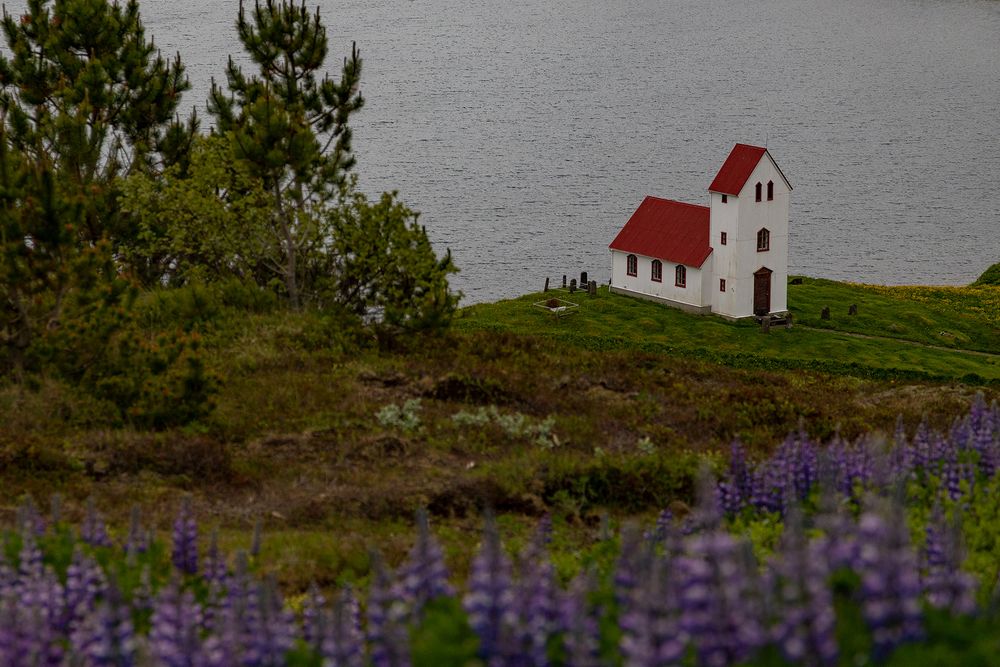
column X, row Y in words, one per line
column 643, row 284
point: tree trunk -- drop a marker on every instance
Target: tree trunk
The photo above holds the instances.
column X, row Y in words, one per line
column 288, row 240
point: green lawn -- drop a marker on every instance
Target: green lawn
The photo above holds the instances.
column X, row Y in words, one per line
column 613, row 321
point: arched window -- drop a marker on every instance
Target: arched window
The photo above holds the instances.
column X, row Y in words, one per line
column 763, row 240
column 632, row 265
column 770, row 190
column 657, row 273
column 758, row 191
column 680, row 276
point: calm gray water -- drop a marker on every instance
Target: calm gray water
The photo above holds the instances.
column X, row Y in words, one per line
column 526, row 131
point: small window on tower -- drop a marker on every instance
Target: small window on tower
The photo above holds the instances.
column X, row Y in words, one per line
column 763, row 240
column 770, row 190
column 725, row 198
column 722, row 284
column 759, row 187
column 723, row 240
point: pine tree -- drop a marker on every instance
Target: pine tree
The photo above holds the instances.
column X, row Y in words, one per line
column 290, row 127
column 86, row 94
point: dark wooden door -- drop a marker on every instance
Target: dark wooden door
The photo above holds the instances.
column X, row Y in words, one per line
column 762, row 291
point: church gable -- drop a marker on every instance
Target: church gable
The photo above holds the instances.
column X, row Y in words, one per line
column 738, row 167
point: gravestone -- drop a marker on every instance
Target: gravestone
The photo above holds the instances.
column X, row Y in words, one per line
column 765, row 324
column 546, row 284
column 795, row 281
column 583, row 279
column 853, row 310
column 825, row 313
column 592, row 288
column 572, row 285
column 788, row 321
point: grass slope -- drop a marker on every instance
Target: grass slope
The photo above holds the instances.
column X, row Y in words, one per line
column 636, row 397
column 923, row 333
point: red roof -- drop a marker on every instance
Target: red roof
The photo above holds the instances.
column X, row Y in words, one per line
column 737, row 169
column 669, row 230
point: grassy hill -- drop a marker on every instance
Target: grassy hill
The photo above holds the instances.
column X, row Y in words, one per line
column 317, row 432
column 899, row 332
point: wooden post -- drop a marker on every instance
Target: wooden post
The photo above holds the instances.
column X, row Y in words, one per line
column 765, row 324
column 788, row 321
column 825, row 313
column 853, row 310
column 546, row 284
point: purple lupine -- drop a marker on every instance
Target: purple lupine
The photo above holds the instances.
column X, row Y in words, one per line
column 489, row 601
column 736, row 489
column 92, row 530
column 29, row 518
column 719, row 613
column 342, row 642
column 185, row 540
column 945, row 584
column 535, row 599
column 215, row 562
column 650, row 618
column 85, row 584
column 805, row 625
column 423, row 576
column 106, row 637
column 175, row 626
column 579, row 621
column 387, row 633
column 890, row 581
column 30, row 611
column 137, row 541
column 313, row 617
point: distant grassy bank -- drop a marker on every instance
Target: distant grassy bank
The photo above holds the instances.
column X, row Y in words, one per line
column 333, row 443
column 911, row 333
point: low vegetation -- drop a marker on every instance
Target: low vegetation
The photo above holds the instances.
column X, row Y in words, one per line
column 317, row 428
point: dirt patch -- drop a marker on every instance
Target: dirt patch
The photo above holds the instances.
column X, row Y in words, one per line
column 465, row 389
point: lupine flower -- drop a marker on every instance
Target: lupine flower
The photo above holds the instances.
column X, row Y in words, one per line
column 85, row 583
column 805, row 628
column 650, row 617
column 137, row 541
column 423, row 577
column 535, row 600
column 890, row 581
column 387, row 632
column 185, row 544
column 946, row 585
column 106, row 637
column 717, row 602
column 174, row 635
column 580, row 622
column 489, row 601
column 92, row 530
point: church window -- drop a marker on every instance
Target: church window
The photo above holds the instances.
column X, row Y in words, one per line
column 759, row 187
column 725, row 198
column 723, row 240
column 657, row 272
column 770, row 190
column 632, row 265
column 680, row 276
column 763, row 240
column 722, row 284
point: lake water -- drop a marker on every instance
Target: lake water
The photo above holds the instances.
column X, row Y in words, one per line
column 527, row 131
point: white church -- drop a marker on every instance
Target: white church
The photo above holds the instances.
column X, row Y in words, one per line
column 729, row 258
